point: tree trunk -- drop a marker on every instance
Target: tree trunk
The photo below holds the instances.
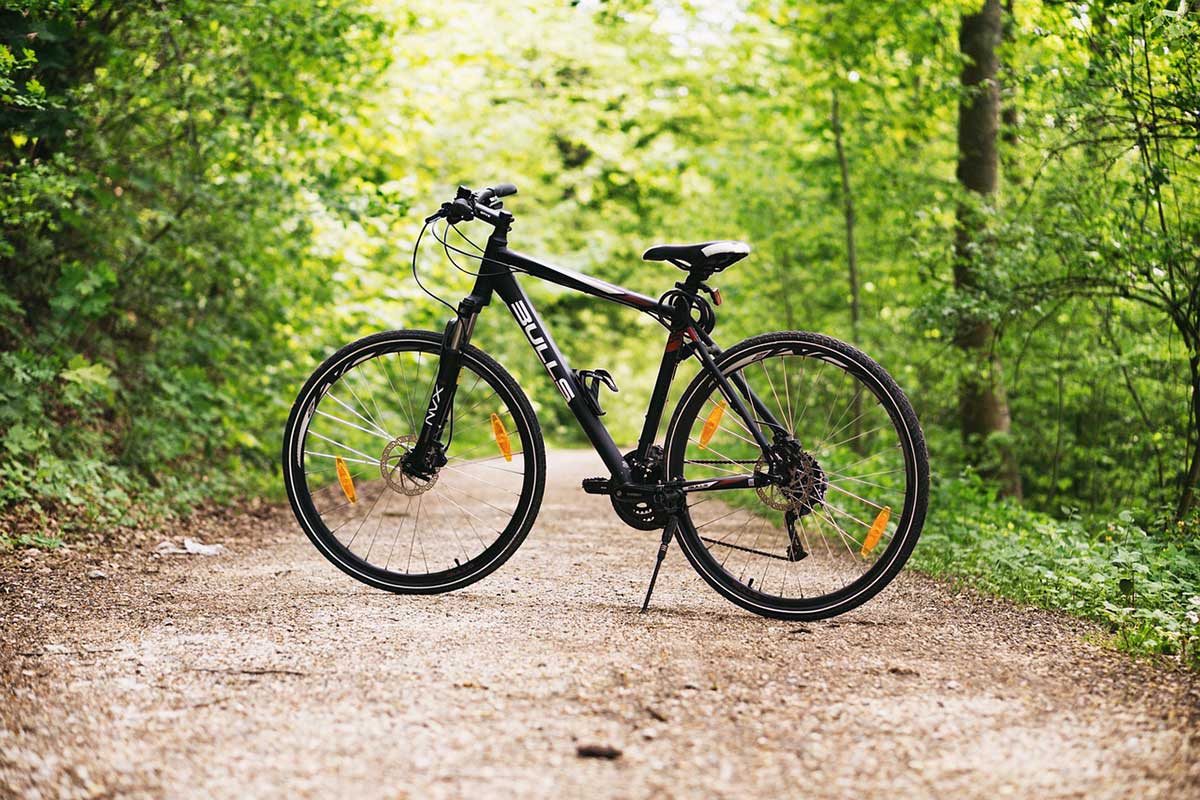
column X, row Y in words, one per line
column 1010, row 115
column 1191, row 480
column 983, row 406
column 851, row 261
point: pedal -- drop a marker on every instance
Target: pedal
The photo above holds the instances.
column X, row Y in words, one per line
column 591, row 379
column 596, row 486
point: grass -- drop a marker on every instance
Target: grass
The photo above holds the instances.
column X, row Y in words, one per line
column 1143, row 587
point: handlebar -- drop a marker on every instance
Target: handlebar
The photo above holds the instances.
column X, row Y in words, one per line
column 499, row 190
column 468, row 205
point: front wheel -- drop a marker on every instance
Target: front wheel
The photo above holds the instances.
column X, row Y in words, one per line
column 343, row 449
column 828, row 530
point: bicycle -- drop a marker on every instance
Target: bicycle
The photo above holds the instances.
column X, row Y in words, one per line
column 793, row 470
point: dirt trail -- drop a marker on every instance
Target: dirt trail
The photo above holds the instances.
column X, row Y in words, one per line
column 266, row 672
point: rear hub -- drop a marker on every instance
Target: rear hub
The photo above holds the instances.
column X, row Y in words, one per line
column 795, row 482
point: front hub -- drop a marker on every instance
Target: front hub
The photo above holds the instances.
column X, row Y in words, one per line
column 401, row 474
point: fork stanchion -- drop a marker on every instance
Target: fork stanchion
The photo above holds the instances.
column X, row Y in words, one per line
column 668, row 532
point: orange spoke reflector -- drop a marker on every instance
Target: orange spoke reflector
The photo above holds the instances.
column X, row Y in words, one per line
column 501, row 437
column 876, row 531
column 345, row 480
column 711, row 424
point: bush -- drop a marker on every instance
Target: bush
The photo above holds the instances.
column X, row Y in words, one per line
column 1143, row 587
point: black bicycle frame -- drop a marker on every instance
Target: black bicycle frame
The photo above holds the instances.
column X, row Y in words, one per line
column 497, row 276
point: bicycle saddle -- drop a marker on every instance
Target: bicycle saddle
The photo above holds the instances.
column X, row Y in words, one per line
column 708, row 256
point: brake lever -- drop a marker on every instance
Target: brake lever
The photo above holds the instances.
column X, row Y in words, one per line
column 457, row 211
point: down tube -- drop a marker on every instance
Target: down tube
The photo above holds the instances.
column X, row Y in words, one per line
column 560, row 372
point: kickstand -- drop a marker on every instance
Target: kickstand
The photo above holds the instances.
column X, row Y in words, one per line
column 668, row 532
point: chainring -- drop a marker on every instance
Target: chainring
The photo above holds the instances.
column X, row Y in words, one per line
column 643, row 514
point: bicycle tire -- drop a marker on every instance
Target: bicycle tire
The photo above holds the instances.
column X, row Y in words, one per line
column 327, row 543
column 916, row 474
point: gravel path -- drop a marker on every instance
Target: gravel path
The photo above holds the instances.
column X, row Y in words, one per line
column 266, row 672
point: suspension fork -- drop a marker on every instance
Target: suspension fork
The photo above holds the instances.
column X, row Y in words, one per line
column 426, row 455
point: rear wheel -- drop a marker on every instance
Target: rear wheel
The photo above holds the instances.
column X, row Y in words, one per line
column 833, row 527
column 349, row 429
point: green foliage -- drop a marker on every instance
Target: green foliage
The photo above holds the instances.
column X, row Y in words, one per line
column 158, row 163
column 1144, row 587
column 199, row 200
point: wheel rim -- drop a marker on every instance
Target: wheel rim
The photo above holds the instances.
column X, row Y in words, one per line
column 848, row 424
column 391, row 526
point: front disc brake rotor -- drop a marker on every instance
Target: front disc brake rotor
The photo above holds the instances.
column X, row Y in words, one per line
column 391, row 467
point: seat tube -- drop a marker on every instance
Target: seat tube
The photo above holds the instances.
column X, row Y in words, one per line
column 662, row 386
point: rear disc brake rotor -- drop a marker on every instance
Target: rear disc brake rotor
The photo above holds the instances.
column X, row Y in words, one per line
column 803, row 489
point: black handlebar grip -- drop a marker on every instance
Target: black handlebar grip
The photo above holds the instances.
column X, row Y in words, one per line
column 500, row 190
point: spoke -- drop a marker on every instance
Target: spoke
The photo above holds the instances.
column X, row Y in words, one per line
column 421, row 541
column 844, row 426
column 778, row 402
column 822, row 536
column 343, row 446
column 482, row 400
column 468, row 451
column 498, row 469
column 352, row 425
column 832, row 407
column 466, row 474
column 856, row 497
column 366, row 516
column 346, row 380
column 852, row 438
column 840, row 476
column 453, row 528
column 387, row 373
column 407, row 396
column 477, row 499
column 372, row 422
column 413, row 539
column 845, row 514
column 855, row 396
column 343, row 458
column 787, row 392
column 468, row 514
column 338, row 507
column 379, row 527
column 480, row 446
column 735, row 418
column 763, row 523
column 718, row 452
column 734, row 433
column 399, row 530
column 718, row 519
column 846, row 538
column 808, row 400
column 868, row 458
